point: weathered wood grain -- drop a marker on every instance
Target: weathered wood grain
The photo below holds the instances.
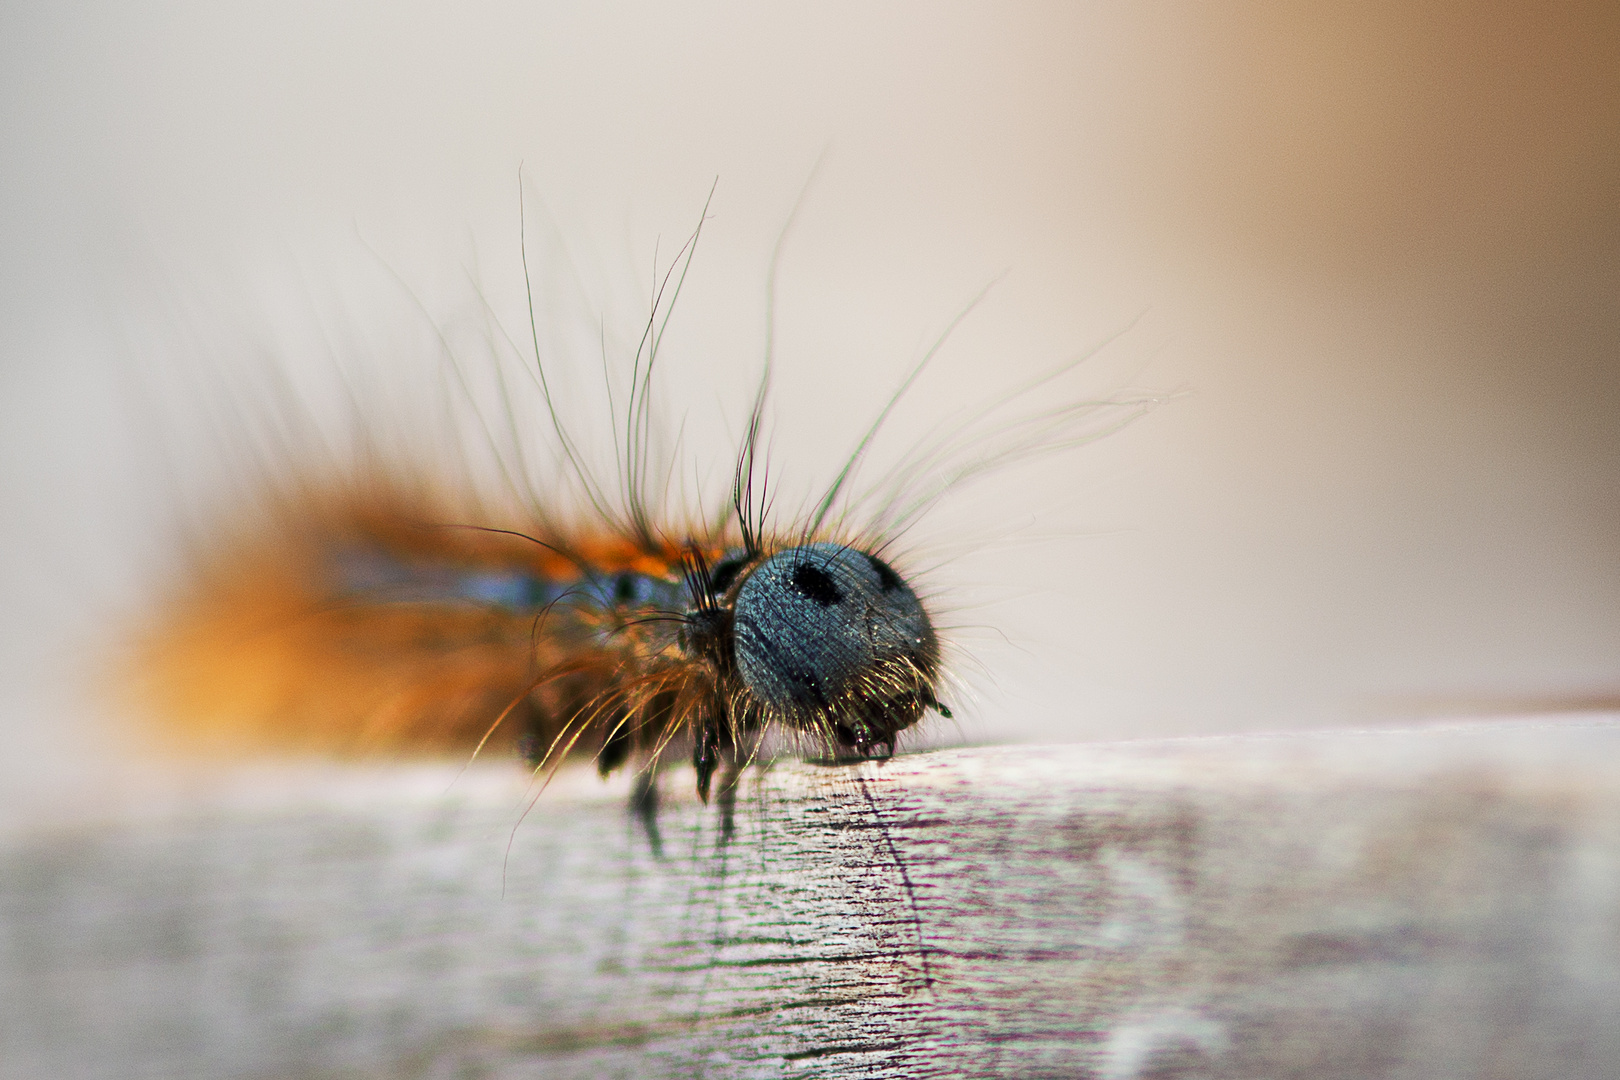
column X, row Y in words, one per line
column 1425, row 903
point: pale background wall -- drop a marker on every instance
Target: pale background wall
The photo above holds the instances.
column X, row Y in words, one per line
column 1378, row 246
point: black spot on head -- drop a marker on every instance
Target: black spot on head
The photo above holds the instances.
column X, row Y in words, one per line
column 886, row 575
column 814, row 583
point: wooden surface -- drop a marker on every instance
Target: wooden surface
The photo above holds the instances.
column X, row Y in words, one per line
column 1423, row 903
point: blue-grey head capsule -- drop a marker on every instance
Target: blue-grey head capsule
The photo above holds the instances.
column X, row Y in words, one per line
column 830, row 638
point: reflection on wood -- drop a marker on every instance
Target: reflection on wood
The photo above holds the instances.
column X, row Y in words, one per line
column 1425, row 903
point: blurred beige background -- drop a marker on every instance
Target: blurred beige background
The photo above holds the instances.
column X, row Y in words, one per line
column 1377, row 246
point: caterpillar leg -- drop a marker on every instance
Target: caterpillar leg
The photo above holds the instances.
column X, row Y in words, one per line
column 718, row 750
column 707, row 749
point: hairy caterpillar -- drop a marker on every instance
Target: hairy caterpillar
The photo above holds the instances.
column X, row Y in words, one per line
column 380, row 605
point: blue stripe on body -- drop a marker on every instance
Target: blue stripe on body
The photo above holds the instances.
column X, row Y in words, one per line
column 372, row 573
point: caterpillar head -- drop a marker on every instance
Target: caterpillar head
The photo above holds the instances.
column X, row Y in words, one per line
column 829, row 639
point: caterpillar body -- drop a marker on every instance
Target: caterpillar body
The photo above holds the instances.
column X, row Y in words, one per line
column 375, row 621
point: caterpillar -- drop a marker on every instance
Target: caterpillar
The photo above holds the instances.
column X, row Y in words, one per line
column 380, row 605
